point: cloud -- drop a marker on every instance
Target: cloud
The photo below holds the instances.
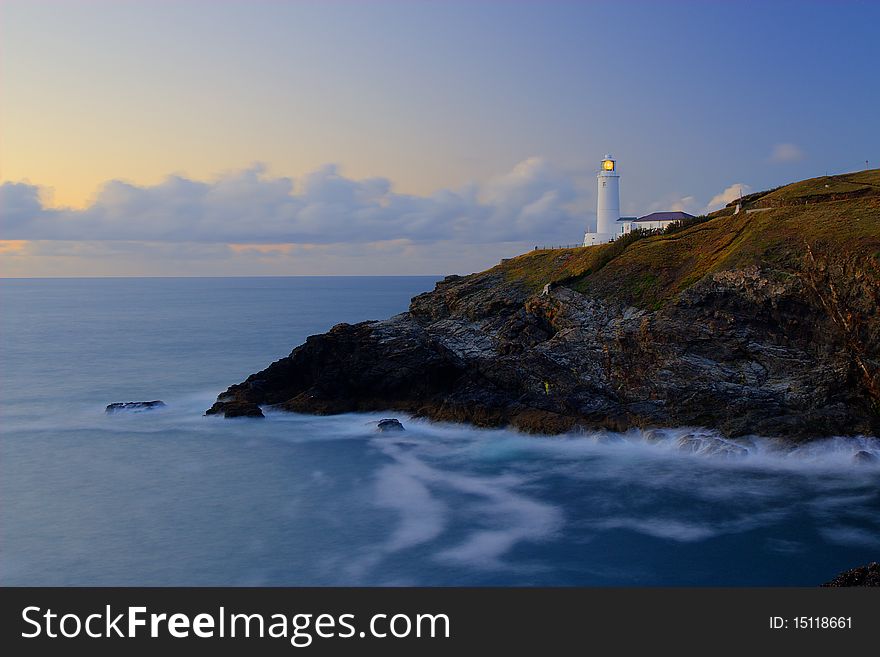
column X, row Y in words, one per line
column 782, row 153
column 248, row 222
column 8, row 247
column 534, row 201
column 851, row 536
column 133, row 258
column 687, row 204
column 729, row 194
column 692, row 205
column 19, row 203
column 263, row 249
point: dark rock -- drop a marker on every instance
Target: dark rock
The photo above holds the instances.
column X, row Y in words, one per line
column 864, row 457
column 389, row 424
column 863, row 576
column 235, row 408
column 134, row 407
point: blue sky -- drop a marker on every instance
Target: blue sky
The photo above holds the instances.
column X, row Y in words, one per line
column 234, row 138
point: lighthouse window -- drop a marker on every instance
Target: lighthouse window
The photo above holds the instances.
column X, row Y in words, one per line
column 603, row 183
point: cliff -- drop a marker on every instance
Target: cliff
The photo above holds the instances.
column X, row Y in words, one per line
column 764, row 322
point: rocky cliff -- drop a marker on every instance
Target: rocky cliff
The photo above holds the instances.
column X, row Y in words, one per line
column 761, row 322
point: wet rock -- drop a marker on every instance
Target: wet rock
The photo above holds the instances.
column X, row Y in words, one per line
column 235, row 408
column 389, row 425
column 864, row 457
column 863, row 576
column 134, row 406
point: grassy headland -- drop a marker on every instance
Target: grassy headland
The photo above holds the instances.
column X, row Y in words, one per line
column 833, row 218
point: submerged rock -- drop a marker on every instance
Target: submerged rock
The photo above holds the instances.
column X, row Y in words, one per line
column 864, row 457
column 389, row 424
column 235, row 408
column 863, row 576
column 134, row 407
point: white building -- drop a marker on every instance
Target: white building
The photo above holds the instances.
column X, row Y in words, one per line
column 608, row 204
column 653, row 221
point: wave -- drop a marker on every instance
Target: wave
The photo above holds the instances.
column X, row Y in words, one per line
column 185, row 413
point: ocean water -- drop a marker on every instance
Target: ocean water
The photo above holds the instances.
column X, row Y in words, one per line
column 171, row 497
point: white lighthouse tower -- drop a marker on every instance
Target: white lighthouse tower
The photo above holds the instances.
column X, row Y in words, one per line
column 608, row 205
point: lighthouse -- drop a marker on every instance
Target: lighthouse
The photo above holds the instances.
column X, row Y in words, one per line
column 607, row 205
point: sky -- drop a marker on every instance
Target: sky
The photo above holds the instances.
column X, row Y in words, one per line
column 225, row 138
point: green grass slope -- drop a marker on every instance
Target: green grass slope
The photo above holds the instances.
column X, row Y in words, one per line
column 833, row 217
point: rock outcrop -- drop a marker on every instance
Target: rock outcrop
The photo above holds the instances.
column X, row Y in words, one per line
column 134, row 407
column 743, row 324
column 862, row 576
column 740, row 352
column 237, row 408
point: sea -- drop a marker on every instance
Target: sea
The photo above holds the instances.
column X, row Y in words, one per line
column 172, row 497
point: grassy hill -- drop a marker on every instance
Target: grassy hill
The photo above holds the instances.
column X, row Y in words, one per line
column 817, row 190
column 789, row 229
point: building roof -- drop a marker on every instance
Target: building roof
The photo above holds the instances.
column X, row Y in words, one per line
column 665, row 216
column 627, row 218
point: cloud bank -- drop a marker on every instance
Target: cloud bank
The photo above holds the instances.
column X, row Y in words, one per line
column 534, row 201
column 251, row 223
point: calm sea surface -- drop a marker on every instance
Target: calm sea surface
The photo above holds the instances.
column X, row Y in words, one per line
column 172, row 497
